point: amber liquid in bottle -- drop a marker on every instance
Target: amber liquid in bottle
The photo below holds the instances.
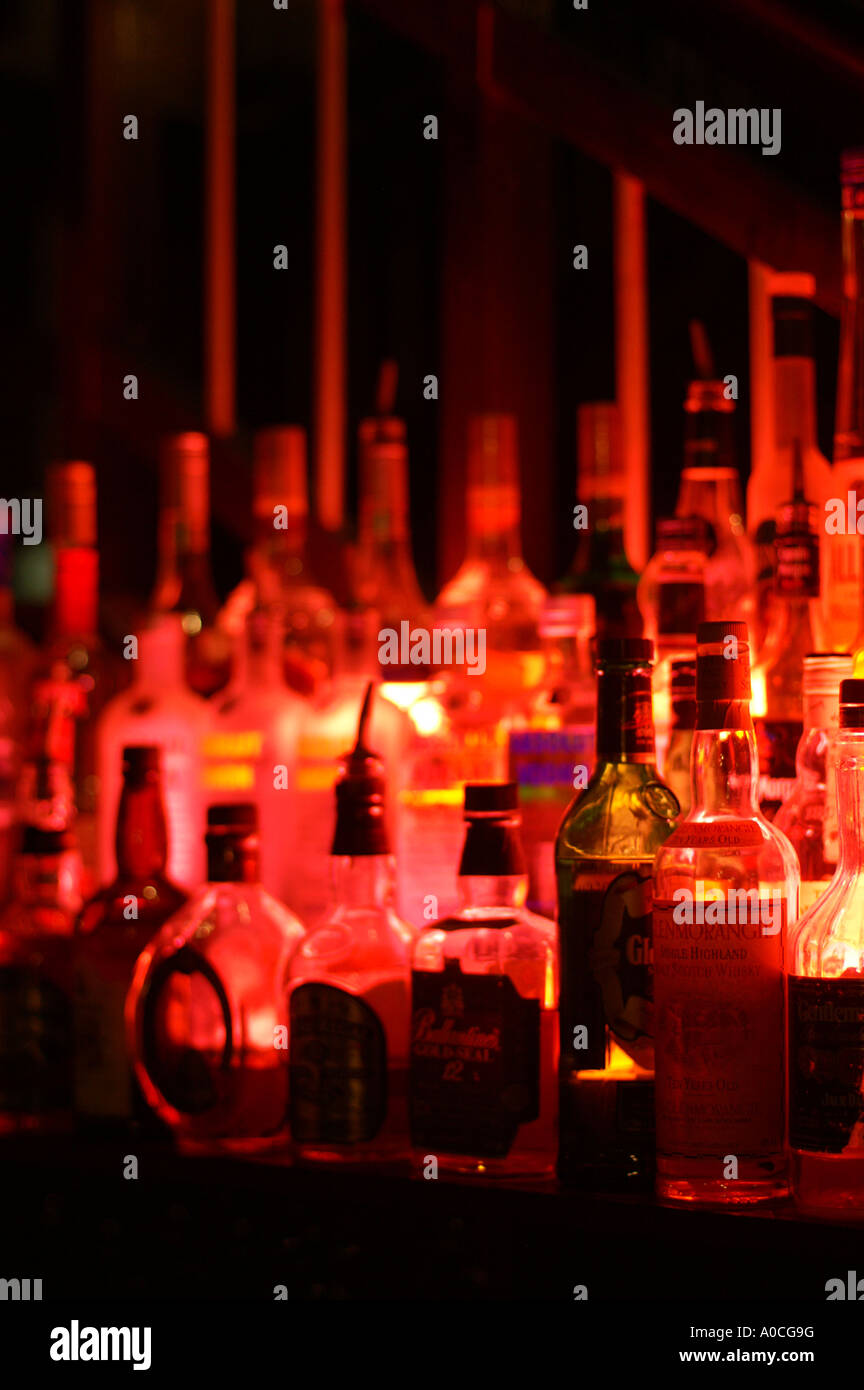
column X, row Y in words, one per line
column 725, row 890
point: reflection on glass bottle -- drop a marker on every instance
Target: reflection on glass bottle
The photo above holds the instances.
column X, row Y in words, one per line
column 825, row 988
column 206, row 1018
column 350, row 987
column 484, row 1011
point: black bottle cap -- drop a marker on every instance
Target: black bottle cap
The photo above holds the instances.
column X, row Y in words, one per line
column 237, row 818
column 719, row 631
column 625, row 651
column 38, row 841
column 852, row 704
column 685, row 533
column 682, row 679
column 722, row 677
column 490, row 798
column 139, row 759
column 360, row 825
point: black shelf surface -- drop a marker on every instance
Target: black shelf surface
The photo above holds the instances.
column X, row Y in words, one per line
column 223, row 1227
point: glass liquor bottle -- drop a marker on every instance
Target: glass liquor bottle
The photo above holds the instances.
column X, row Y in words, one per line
column 205, row 1016
column 795, row 630
column 842, row 534
column 250, row 749
column 184, row 583
column 327, row 726
column 16, row 669
column 547, row 750
column 682, row 696
column 711, row 488
column 600, row 565
column 725, row 890
column 794, row 372
column 158, row 709
column 278, row 566
column 484, row 1011
column 671, row 597
column 808, row 817
column 75, row 651
column 494, row 590
column 349, row 990
column 603, row 856
column 112, row 931
column 36, row 933
column 825, row 995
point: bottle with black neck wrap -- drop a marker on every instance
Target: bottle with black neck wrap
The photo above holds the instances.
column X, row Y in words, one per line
column 604, row 854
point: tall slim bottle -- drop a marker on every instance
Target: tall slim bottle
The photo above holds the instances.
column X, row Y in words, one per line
column 111, row 932
column 725, row 892
column 600, row 565
column 603, row 854
column 842, row 534
column 16, row 668
column 825, row 990
column 184, row 582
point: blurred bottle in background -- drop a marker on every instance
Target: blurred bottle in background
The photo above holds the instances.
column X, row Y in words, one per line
column 671, row 598
column 184, row 582
column 17, row 660
column 843, row 539
column 682, row 703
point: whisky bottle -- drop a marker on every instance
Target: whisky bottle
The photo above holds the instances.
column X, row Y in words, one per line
column 484, row 1011
column 111, row 932
column 842, row 536
column 725, row 892
column 603, row 854
column 825, row 989
column 808, row 817
column 795, row 630
column 184, row 582
column 349, row 989
column 600, row 565
column 205, row 1016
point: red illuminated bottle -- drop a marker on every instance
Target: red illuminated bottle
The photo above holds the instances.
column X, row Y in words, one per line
column 484, row 1005
column 278, row 564
column 825, row 988
column 842, row 534
column 184, row 583
column 725, row 891
column 205, row 1016
column 112, row 931
column 16, row 668
column 600, row 566
column 349, row 989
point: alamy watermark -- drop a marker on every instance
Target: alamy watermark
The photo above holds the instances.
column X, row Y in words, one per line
column 22, row 516
column 438, row 646
column 737, row 126
column 736, row 908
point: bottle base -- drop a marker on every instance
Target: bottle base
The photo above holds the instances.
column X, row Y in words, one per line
column 523, row 1167
column 829, row 1187
column 719, row 1192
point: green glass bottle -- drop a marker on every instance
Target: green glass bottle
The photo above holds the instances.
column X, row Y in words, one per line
column 603, row 857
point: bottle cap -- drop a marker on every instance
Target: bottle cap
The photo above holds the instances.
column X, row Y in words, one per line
column 279, row 470
column 37, row 841
column 568, row 615
column 139, row 759
column 682, row 679
column 852, row 704
column 625, row 651
column 71, row 497
column 852, row 166
column 491, row 798
column 722, row 676
column 360, row 825
column 234, row 818
column 685, row 533
column 185, row 483
column 792, row 284
column 601, row 462
column 823, row 672
column 708, row 395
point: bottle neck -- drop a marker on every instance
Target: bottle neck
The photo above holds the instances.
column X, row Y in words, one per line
column 51, row 881
column 142, row 837
column 76, row 592
column 849, row 773
column 625, row 721
column 364, row 880
column 795, row 402
column 849, row 422
column 493, row 522
column 724, row 766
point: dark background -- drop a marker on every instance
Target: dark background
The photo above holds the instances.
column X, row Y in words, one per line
column 459, row 250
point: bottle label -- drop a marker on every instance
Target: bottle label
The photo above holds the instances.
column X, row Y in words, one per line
column 680, row 607
column 605, row 941
column 542, row 761
column 718, row 1007
column 797, row 573
column 475, row 1062
column 777, row 741
column 722, row 833
column 625, row 720
column 103, row 1075
column 338, row 1067
column 826, row 1065
column 36, row 1042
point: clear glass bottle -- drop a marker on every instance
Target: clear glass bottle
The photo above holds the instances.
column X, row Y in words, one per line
column 36, row 970
column 484, row 1011
column 184, row 582
column 808, row 816
column 206, row 1017
column 682, row 696
column 671, row 596
column 111, row 932
column 725, row 892
column 278, row 564
column 158, row 709
column 825, row 994
column 600, row 565
column 249, row 751
column 711, row 488
column 603, row 856
column 349, row 989
column 795, row 630
column 844, row 543
column 547, row 750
